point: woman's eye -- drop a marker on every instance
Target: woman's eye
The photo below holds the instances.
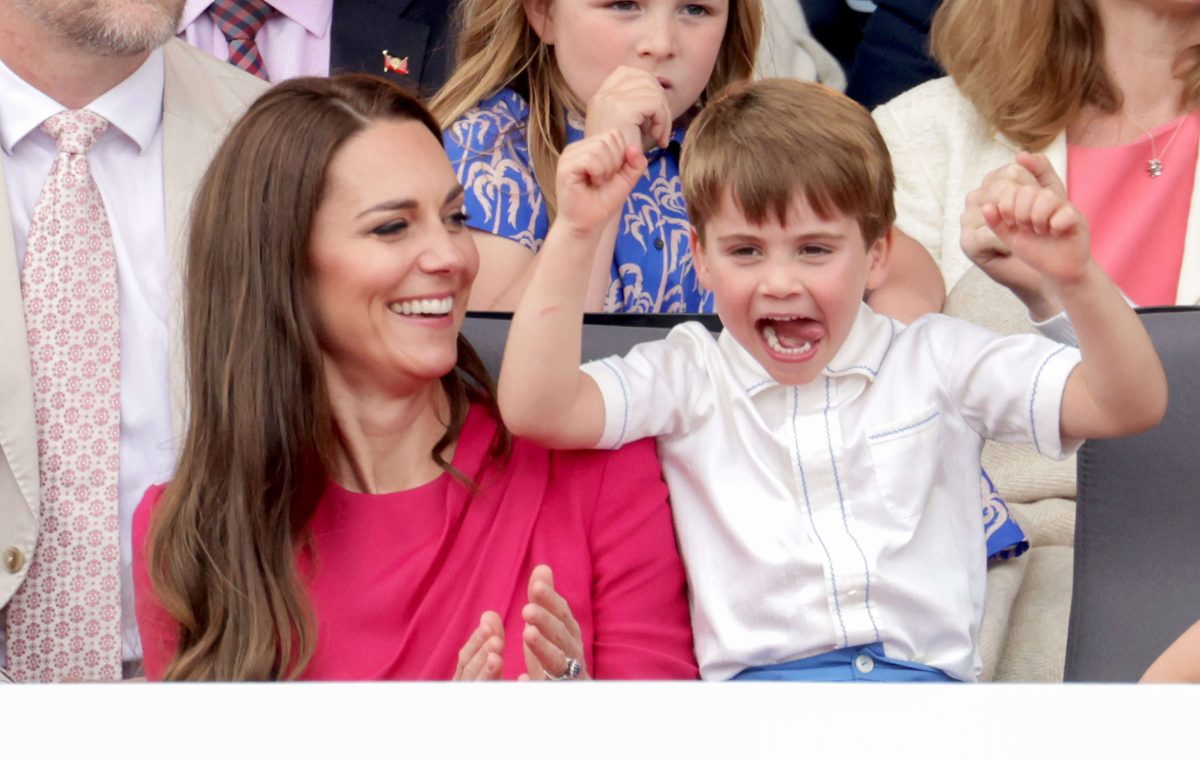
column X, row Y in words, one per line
column 623, row 6
column 457, row 219
column 390, row 228
column 693, row 9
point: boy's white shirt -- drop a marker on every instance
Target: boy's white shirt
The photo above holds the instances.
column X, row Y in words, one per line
column 845, row 510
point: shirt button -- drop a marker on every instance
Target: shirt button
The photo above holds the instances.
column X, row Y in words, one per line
column 864, row 663
column 14, row 560
column 659, row 244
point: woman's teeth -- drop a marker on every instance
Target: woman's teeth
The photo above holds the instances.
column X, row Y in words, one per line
column 424, row 306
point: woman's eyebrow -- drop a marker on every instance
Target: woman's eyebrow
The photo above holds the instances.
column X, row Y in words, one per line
column 407, row 204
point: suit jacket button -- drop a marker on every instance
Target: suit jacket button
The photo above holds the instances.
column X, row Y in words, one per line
column 14, row 560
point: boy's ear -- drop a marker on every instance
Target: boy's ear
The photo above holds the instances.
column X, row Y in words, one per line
column 541, row 19
column 880, row 254
column 698, row 258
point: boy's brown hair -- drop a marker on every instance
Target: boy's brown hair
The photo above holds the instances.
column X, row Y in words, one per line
column 771, row 139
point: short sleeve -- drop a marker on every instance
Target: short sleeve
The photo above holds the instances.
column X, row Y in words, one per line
column 653, row 389
column 1008, row 389
column 639, row 602
column 158, row 629
column 490, row 156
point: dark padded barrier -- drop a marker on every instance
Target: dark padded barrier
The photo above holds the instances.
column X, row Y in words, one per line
column 1137, row 529
column 603, row 334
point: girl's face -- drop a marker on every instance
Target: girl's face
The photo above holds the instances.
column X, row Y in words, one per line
column 676, row 41
column 392, row 261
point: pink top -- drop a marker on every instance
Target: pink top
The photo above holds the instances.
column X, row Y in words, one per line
column 1138, row 222
column 398, row 581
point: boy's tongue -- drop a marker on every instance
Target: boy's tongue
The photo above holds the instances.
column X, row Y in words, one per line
column 793, row 333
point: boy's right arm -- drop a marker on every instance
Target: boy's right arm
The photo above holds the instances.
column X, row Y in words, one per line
column 544, row 396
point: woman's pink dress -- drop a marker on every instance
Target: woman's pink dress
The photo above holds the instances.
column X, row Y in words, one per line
column 398, row 581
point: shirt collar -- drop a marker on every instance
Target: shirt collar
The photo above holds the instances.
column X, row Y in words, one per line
column 23, row 107
column 862, row 354
column 313, row 15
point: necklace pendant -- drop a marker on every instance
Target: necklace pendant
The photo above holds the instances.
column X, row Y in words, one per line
column 1154, row 168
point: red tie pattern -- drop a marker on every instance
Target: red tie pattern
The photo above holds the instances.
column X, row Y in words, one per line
column 239, row 21
column 65, row 621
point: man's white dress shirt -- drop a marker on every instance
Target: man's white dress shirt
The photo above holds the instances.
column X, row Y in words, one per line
column 127, row 164
column 843, row 511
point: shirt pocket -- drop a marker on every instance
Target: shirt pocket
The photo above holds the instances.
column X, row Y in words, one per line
column 906, row 457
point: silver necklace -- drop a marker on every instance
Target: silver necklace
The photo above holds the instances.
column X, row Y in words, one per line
column 1154, row 167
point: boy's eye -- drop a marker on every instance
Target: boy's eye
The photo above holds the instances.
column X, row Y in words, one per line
column 390, row 228
column 744, row 252
column 815, row 250
column 457, row 219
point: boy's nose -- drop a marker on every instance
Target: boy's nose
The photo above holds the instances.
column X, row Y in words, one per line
column 781, row 280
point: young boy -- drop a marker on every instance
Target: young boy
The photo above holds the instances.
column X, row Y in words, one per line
column 823, row 460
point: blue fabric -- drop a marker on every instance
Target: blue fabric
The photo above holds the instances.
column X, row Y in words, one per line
column 1005, row 538
column 839, row 667
column 893, row 56
column 652, row 268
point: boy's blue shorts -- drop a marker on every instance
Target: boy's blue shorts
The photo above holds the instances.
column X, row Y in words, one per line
column 857, row 663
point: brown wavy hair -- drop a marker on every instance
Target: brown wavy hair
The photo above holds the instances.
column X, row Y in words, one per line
column 1029, row 66
column 769, row 141
column 498, row 48
column 258, row 450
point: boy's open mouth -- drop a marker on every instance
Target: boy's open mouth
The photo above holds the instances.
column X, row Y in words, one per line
column 793, row 336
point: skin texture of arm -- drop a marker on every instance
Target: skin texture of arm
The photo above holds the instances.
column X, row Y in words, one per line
column 542, row 392
column 1119, row 388
column 914, row 285
column 1180, row 663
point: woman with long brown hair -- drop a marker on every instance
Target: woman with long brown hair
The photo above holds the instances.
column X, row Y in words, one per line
column 347, row 504
column 1106, row 89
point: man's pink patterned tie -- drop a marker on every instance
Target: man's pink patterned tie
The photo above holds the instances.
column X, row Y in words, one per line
column 64, row 621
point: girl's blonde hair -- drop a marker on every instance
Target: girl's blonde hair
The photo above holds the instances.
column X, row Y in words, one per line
column 498, row 48
column 1029, row 66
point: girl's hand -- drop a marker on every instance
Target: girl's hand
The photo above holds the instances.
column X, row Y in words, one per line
column 482, row 656
column 595, row 176
column 1028, row 210
column 632, row 102
column 552, row 637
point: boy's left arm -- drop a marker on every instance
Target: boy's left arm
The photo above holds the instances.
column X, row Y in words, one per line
column 1119, row 388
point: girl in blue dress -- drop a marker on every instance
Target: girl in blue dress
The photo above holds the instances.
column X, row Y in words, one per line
column 535, row 75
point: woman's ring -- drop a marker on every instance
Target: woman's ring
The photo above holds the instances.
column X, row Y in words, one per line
column 570, row 672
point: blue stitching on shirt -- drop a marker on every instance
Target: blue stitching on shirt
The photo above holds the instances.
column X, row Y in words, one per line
column 864, row 367
column 837, row 481
column 808, row 504
column 905, row 428
column 757, row 385
column 624, row 396
column 1033, row 397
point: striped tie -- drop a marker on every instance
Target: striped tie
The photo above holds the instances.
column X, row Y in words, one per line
column 239, row 21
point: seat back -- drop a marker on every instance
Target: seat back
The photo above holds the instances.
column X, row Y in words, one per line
column 604, row 335
column 1137, row 529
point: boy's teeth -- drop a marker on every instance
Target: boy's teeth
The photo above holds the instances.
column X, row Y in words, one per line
column 773, row 341
column 424, row 306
